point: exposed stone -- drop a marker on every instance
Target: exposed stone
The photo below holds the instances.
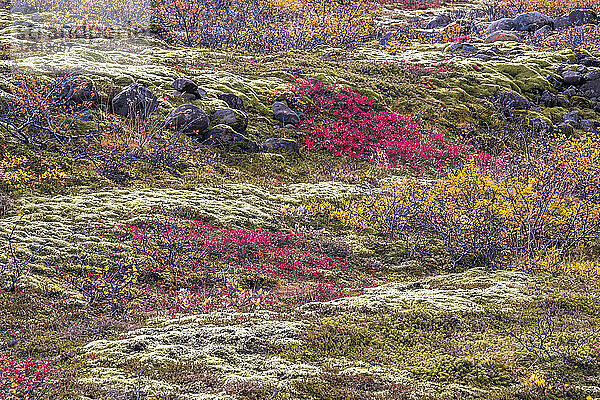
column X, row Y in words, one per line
column 232, row 100
column 531, row 21
column 503, row 36
column 512, row 100
column 439, row 22
column 184, row 85
column 284, row 114
column 572, row 77
column 135, row 101
column 288, row 145
column 237, row 119
column 188, row 119
column 224, row 135
column 504, row 24
column 582, row 17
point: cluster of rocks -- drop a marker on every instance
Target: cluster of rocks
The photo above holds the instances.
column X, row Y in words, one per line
column 228, row 124
column 514, row 29
column 509, row 100
column 581, row 78
column 536, row 22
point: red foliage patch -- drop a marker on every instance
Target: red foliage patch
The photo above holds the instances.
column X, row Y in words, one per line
column 347, row 123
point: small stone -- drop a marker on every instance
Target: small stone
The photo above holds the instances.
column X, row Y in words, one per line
column 184, row 85
column 572, row 77
column 503, row 36
column 274, row 144
column 188, row 119
column 504, row 24
column 512, row 100
column 592, row 75
column 284, row 114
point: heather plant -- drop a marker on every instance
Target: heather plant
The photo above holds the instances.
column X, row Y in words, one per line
column 206, row 268
column 24, row 379
column 347, row 123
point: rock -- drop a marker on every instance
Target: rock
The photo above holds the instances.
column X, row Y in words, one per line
column 582, row 69
column 483, row 56
column 188, row 96
column 512, row 100
column 572, row 91
column 440, row 21
column 188, row 119
column 386, row 39
column 572, row 77
column 544, row 30
column 531, row 21
column 469, row 48
column 587, row 126
column 582, row 17
column 590, row 62
column 284, row 114
column 572, row 118
column 503, row 36
column 184, row 85
column 504, row 24
column 548, row 99
column 232, row 101
column 592, row 75
column 562, row 22
column 135, row 101
column 563, row 101
column 591, row 88
column 76, row 92
column 224, row 135
column 237, row 119
column 539, row 126
column 274, row 144
column 564, row 128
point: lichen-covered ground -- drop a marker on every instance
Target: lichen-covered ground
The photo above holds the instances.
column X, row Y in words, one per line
column 403, row 327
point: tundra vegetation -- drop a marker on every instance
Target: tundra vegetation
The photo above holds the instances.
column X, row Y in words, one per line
column 299, row 199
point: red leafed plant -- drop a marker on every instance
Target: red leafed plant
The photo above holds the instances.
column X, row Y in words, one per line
column 347, row 123
column 23, row 379
column 203, row 268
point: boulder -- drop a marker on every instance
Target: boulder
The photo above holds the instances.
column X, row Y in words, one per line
column 188, row 119
column 592, row 75
column 77, row 91
column 440, row 21
column 224, row 135
column 587, row 126
column 135, row 101
column 531, row 21
column 184, row 85
column 582, row 17
column 562, row 22
column 572, row 118
column 572, row 77
column 275, row 144
column 469, row 48
column 591, row 88
column 504, row 24
column 548, row 99
column 284, row 114
column 539, row 126
column 503, row 36
column 237, row 119
column 512, row 100
column 232, row 101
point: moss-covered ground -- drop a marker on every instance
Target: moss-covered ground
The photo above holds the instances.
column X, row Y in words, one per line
column 418, row 333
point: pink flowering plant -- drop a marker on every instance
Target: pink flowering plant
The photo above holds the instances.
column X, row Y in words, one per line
column 24, row 379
